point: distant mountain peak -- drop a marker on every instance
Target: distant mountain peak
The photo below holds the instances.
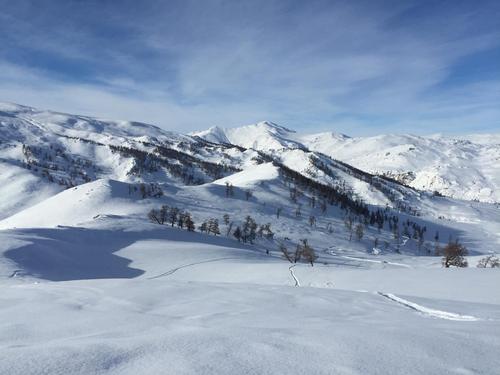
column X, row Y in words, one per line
column 272, row 125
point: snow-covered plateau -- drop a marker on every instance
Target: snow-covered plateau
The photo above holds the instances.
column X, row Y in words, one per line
column 128, row 249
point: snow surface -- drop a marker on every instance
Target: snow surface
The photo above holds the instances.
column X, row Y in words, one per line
column 165, row 301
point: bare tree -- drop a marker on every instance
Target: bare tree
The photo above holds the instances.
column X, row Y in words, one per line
column 437, row 250
column 359, row 231
column 454, row 255
column 142, row 189
column 329, row 228
column 229, row 189
column 349, row 225
column 285, row 253
column 229, row 229
column 154, row 216
column 308, row 252
column 312, row 201
column 323, row 207
column 298, row 253
column 172, row 215
column 163, row 214
column 312, row 220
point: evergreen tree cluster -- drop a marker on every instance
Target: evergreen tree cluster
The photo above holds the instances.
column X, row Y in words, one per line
column 151, row 190
column 187, row 168
column 210, row 226
column 53, row 164
column 172, row 216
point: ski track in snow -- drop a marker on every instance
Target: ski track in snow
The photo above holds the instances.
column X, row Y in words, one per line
column 173, row 270
column 376, row 261
column 428, row 311
column 297, row 282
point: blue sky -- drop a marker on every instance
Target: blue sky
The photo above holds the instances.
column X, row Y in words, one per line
column 356, row 67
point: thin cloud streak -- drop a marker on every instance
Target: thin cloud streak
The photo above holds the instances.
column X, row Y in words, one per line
column 360, row 68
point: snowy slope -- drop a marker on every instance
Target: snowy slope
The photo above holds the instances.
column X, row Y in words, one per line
column 136, row 297
column 77, row 205
column 454, row 167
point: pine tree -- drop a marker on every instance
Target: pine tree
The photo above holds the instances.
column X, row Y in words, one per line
column 249, row 230
column 437, row 250
column 237, row 234
column 213, row 226
column 188, row 222
column 204, row 227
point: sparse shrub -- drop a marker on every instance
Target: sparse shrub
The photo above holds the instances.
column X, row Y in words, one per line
column 489, row 261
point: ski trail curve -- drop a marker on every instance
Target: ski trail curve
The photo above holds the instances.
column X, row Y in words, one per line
column 428, row 311
column 297, row 282
column 173, row 270
column 376, row 261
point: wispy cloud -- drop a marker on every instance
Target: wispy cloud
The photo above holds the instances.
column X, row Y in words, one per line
column 352, row 67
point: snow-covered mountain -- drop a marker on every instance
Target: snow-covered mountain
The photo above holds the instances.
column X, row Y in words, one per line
column 49, row 152
column 465, row 167
column 229, row 251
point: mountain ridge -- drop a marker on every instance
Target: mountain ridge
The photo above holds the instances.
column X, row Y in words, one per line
column 466, row 167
